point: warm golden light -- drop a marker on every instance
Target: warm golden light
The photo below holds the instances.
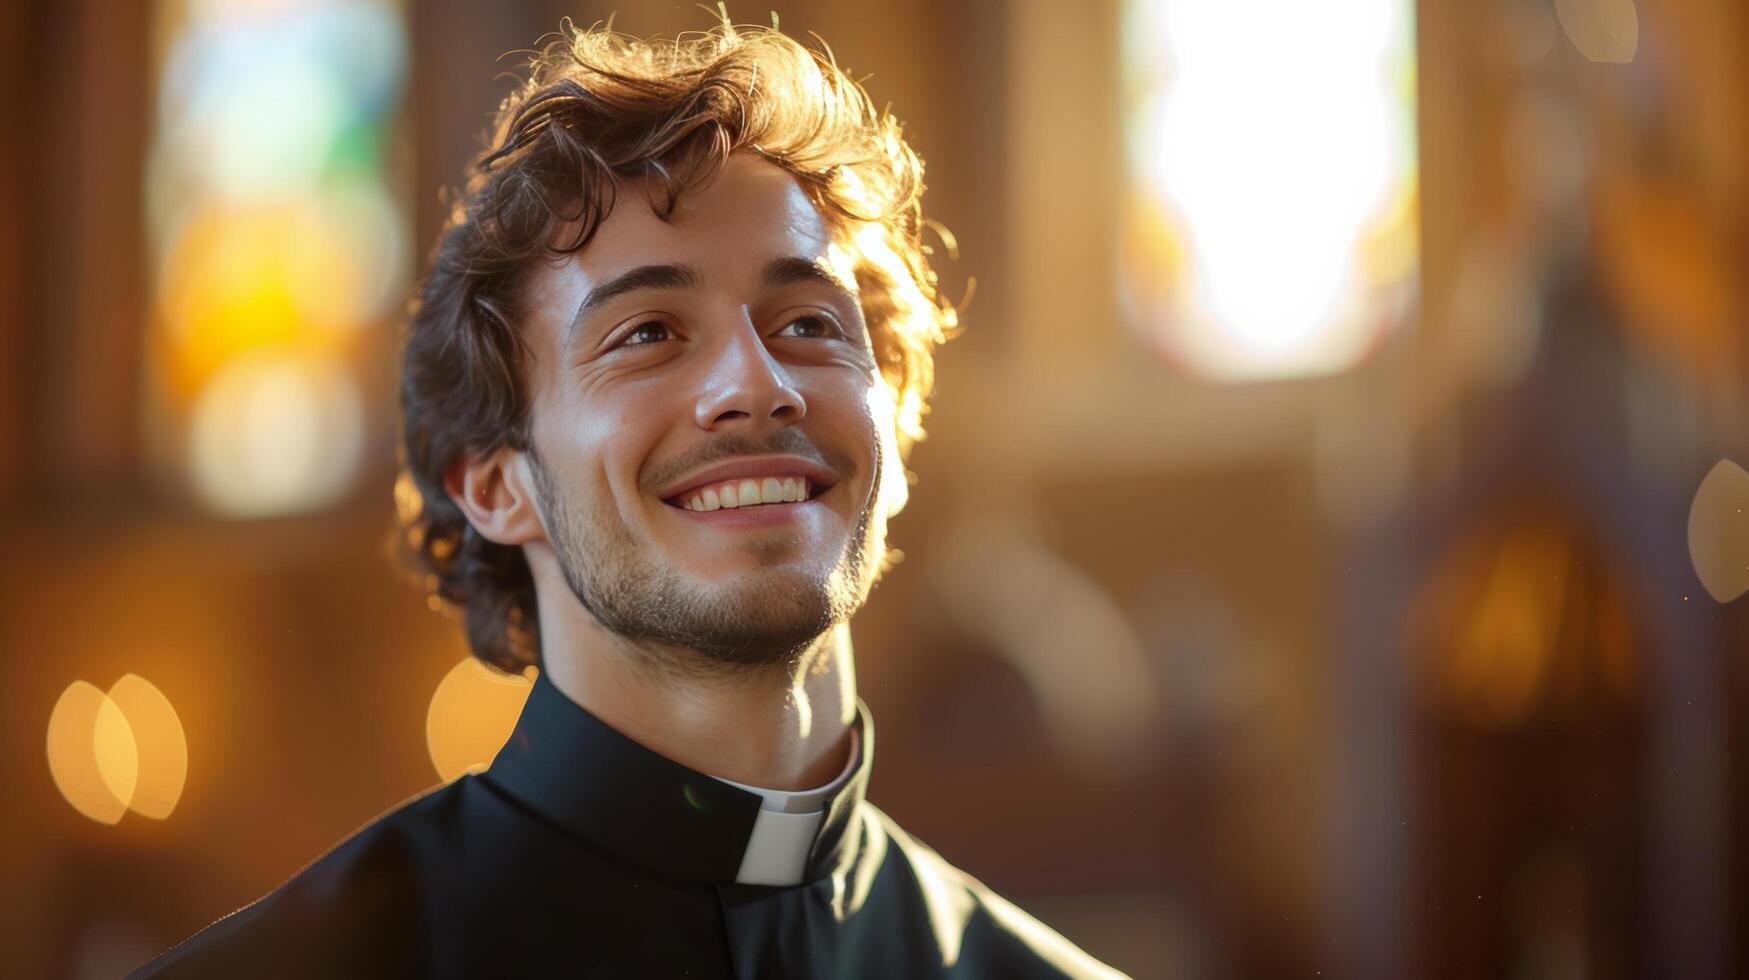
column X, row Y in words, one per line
column 472, row 712
column 275, row 433
column 408, row 503
column 124, row 750
column 1502, row 654
column 162, row 748
column 89, row 746
column 117, row 751
column 229, row 284
column 1527, row 624
column 305, row 272
column 1718, row 531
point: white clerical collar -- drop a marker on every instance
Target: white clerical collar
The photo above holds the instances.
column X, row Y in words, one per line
column 783, row 833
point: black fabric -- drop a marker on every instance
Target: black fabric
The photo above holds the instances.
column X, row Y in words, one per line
column 583, row 775
column 580, row 853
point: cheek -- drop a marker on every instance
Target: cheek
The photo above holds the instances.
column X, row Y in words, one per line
column 624, row 407
column 601, row 441
column 643, row 421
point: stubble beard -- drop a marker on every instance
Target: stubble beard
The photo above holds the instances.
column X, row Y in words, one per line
column 768, row 623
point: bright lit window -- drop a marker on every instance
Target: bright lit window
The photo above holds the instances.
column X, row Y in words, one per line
column 1270, row 208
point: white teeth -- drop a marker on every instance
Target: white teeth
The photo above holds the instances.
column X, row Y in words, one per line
column 749, row 493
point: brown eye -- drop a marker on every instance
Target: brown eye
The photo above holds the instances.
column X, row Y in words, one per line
column 648, row 332
column 809, row 326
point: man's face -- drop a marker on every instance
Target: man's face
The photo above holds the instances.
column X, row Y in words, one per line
column 709, row 429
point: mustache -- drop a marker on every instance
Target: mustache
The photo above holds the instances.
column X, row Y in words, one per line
column 784, row 442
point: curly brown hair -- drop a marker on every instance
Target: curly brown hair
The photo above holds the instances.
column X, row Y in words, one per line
column 600, row 109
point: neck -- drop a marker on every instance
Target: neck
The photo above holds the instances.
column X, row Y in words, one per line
column 776, row 729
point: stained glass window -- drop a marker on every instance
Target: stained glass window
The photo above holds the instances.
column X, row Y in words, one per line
column 279, row 244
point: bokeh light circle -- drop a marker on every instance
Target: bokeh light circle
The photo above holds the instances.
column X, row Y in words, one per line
column 115, row 751
column 1718, row 531
column 73, row 752
column 162, row 745
column 472, row 712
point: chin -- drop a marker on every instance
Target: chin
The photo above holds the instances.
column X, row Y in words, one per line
column 759, row 629
column 771, row 596
column 772, row 610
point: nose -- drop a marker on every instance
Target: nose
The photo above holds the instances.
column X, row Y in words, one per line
column 746, row 388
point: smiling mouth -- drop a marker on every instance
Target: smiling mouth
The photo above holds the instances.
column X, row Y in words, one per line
column 746, row 492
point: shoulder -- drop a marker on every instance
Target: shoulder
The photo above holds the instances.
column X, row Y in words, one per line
column 357, row 910
column 974, row 925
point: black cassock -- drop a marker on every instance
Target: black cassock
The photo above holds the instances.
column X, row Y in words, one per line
column 580, row 853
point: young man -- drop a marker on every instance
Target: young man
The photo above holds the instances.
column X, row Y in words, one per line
column 674, row 345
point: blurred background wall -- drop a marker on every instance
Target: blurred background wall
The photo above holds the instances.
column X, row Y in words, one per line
column 1326, row 554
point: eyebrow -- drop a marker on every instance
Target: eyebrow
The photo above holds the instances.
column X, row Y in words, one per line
column 642, row 277
column 794, row 269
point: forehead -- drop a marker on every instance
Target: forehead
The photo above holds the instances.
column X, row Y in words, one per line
column 728, row 230
column 753, row 203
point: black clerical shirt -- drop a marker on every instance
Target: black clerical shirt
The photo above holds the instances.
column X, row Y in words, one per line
column 580, row 853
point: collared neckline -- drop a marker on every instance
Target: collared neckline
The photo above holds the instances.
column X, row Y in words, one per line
column 808, row 800
column 615, row 794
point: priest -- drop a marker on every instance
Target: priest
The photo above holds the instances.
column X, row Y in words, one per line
column 673, row 347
